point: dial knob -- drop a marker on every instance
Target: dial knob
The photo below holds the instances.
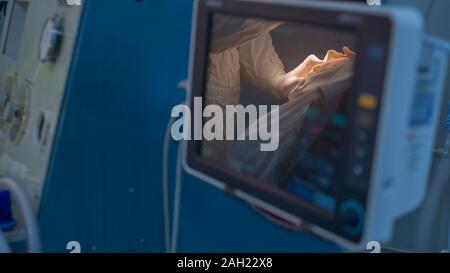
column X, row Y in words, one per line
column 352, row 213
column 51, row 39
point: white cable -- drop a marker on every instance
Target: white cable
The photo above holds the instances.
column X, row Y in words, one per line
column 171, row 233
column 165, row 185
column 31, row 226
column 177, row 200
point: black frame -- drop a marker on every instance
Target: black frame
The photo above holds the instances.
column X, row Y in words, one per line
column 369, row 78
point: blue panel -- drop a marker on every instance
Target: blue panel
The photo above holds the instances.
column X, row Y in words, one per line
column 104, row 183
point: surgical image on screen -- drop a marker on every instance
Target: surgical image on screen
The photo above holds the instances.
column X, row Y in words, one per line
column 306, row 70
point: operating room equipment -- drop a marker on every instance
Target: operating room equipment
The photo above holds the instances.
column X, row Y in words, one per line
column 419, row 230
column 439, row 179
column 36, row 45
column 100, row 189
column 101, row 144
column 402, row 149
column 84, row 159
column 426, row 229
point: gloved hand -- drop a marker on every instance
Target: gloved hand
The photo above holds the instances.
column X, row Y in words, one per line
column 311, row 65
column 326, row 82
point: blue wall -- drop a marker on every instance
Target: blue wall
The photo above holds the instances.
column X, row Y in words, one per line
column 104, row 183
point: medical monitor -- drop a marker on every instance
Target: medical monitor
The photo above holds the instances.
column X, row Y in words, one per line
column 321, row 76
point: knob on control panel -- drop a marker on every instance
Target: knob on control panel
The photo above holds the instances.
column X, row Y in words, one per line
column 51, row 39
column 352, row 213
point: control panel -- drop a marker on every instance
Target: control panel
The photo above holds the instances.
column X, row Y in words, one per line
column 36, row 48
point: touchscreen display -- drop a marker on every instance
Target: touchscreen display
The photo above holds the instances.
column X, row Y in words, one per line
column 278, row 111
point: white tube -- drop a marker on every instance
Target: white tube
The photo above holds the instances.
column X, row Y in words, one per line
column 165, row 186
column 31, row 226
column 177, row 200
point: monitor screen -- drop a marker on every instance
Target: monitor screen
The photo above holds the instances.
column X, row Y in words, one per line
column 307, row 71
